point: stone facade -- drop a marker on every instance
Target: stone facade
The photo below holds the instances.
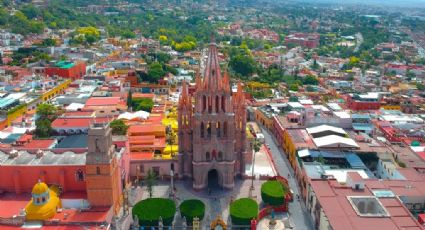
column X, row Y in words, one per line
column 212, row 132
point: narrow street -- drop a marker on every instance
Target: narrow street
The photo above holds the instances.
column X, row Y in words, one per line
column 298, row 215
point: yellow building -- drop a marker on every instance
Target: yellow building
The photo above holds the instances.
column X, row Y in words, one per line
column 56, row 90
column 264, row 118
column 391, row 107
column 44, row 203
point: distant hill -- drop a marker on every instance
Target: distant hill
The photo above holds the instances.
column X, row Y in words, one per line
column 402, row 3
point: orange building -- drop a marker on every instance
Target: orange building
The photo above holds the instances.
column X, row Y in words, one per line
column 91, row 179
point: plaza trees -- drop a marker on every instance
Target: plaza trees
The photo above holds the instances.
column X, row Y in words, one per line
column 150, row 179
column 151, row 210
column 191, row 209
column 243, row 210
column 273, row 193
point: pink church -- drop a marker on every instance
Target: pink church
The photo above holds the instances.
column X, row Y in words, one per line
column 212, row 132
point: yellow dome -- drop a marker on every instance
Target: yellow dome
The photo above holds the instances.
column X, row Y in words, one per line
column 40, row 188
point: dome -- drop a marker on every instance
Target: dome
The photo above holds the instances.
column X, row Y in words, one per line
column 40, row 188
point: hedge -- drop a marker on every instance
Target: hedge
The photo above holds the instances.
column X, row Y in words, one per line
column 149, row 210
column 243, row 211
column 273, row 193
column 191, row 209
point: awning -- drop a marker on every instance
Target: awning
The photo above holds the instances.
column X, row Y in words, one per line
column 304, row 153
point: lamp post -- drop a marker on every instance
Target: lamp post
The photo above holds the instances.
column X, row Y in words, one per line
column 172, row 183
column 252, row 174
column 256, row 145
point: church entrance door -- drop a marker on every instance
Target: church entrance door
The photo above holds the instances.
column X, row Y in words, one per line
column 213, row 179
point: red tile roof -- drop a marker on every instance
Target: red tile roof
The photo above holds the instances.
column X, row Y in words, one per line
column 40, row 144
column 102, row 101
column 77, row 122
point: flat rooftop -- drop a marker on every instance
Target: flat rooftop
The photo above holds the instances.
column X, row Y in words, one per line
column 48, row 158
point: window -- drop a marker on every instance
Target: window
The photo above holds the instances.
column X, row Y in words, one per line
column 220, row 156
column 209, row 129
column 204, row 103
column 98, row 170
column 223, row 103
column 217, row 104
column 208, row 156
column 218, row 128
column 202, row 129
column 225, row 129
column 79, row 175
column 43, row 199
column 156, row 170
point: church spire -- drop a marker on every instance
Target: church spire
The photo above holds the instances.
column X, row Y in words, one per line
column 212, row 74
column 198, row 80
column 226, row 81
column 184, row 96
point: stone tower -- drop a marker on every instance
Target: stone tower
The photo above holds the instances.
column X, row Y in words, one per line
column 212, row 133
column 102, row 175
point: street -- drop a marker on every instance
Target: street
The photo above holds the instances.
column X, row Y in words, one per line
column 299, row 216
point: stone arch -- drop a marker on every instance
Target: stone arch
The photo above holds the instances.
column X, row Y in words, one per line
column 213, row 178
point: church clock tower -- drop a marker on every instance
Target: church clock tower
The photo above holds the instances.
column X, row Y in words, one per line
column 102, row 173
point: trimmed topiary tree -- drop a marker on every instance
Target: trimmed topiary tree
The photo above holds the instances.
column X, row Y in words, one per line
column 243, row 211
column 273, row 193
column 149, row 210
column 191, row 209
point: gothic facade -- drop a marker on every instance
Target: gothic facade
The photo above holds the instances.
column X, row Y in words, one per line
column 212, row 131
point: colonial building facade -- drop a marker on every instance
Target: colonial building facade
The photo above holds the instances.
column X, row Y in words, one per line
column 212, row 132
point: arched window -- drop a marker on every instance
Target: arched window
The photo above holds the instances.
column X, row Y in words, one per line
column 202, row 129
column 209, row 130
column 225, row 129
column 79, row 175
column 217, row 104
column 98, row 170
column 218, row 128
column 223, row 103
column 220, row 156
column 208, row 156
column 204, row 103
column 210, row 104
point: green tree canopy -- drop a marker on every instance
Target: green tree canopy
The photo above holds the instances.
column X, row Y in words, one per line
column 243, row 65
column 118, row 127
column 43, row 128
column 145, row 104
column 46, row 111
column 155, row 72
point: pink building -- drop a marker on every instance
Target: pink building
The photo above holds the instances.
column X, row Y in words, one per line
column 212, row 134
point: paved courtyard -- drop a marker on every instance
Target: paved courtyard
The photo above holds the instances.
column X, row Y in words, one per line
column 217, row 200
